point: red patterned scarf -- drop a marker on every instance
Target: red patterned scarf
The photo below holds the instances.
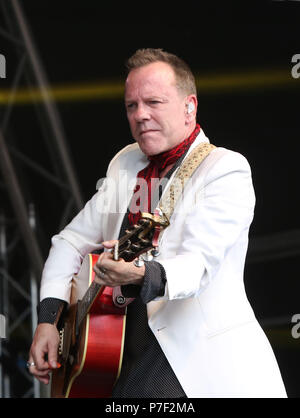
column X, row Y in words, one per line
column 154, row 168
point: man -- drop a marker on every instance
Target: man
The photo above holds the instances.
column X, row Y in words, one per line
column 190, row 329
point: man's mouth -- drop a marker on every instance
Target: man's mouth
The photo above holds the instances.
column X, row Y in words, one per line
column 146, row 131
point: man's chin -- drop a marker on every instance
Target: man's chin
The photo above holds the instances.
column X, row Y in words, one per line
column 150, row 151
column 152, row 143
column 149, row 145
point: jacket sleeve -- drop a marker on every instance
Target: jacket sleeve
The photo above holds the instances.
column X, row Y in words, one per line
column 219, row 221
column 81, row 236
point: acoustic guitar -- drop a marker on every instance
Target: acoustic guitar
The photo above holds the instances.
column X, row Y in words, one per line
column 92, row 329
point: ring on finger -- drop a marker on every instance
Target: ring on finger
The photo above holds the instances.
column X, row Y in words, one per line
column 102, row 271
column 30, row 363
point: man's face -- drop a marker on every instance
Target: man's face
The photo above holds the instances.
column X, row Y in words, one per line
column 156, row 110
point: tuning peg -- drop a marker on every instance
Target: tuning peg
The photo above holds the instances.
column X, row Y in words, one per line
column 116, row 251
column 147, row 256
column 155, row 252
column 139, row 262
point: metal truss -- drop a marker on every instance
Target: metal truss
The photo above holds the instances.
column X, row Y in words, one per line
column 23, row 236
column 18, row 301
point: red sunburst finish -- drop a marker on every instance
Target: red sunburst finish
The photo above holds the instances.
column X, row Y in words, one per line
column 100, row 353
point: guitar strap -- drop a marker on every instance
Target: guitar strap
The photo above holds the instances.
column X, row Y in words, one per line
column 185, row 171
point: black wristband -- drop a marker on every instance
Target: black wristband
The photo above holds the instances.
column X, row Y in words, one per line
column 154, row 281
column 49, row 309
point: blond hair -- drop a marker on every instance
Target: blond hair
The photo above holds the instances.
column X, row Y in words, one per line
column 185, row 80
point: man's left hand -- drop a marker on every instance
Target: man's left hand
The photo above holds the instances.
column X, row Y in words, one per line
column 110, row 272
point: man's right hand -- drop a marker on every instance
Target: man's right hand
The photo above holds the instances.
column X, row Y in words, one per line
column 45, row 341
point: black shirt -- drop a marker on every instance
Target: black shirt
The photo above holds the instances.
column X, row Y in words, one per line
column 146, row 372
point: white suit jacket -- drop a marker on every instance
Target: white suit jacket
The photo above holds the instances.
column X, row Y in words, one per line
column 204, row 322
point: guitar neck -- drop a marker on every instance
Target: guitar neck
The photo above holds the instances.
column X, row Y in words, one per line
column 87, row 301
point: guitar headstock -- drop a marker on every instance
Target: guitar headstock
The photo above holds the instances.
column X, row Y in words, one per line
column 141, row 237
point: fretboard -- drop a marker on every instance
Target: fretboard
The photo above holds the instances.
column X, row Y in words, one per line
column 86, row 302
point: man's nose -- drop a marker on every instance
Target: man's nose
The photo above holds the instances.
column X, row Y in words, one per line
column 141, row 113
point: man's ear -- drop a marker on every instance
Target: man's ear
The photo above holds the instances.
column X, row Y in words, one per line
column 191, row 107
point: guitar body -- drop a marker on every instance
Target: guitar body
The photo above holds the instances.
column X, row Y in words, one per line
column 90, row 361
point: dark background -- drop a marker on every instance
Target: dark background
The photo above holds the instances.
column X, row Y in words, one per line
column 81, row 42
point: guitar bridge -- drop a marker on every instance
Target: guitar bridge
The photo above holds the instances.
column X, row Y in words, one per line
column 64, row 342
column 61, row 341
